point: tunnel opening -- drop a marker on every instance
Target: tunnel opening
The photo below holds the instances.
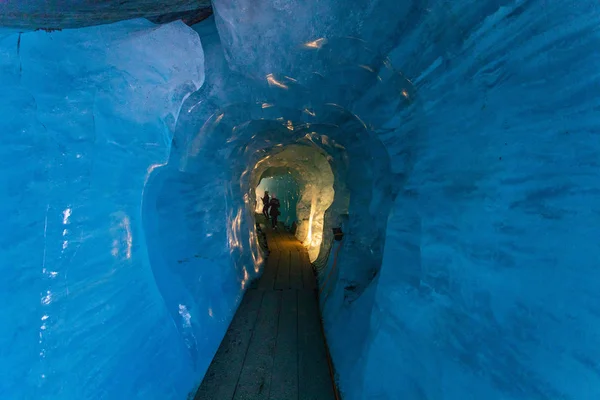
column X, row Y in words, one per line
column 305, row 128
column 282, row 185
column 309, row 167
column 209, row 184
column 198, row 250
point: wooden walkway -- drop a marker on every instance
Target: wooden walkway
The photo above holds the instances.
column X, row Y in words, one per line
column 274, row 347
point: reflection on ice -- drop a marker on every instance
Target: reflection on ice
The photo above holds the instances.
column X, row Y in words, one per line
column 274, row 82
column 66, row 215
column 185, row 315
column 315, row 44
column 122, row 236
column 47, row 298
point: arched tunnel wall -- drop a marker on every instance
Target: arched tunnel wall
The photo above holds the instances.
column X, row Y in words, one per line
column 83, row 125
column 465, row 135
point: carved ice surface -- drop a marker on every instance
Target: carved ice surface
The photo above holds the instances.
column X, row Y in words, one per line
column 85, row 115
column 456, row 145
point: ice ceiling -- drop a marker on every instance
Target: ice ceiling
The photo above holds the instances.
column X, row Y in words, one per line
column 61, row 14
column 456, row 144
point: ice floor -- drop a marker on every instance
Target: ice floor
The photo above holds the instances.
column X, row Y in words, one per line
column 455, row 144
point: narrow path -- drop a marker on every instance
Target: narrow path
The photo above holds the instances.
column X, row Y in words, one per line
column 274, row 347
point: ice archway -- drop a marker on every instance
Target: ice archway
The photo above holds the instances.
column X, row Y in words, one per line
column 310, row 168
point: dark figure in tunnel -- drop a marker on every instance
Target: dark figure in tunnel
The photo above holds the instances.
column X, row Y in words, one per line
column 265, row 201
column 274, row 204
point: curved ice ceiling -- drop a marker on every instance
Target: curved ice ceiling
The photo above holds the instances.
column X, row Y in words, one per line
column 466, row 163
column 62, row 14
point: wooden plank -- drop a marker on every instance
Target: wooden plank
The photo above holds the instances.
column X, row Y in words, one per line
column 280, row 242
column 267, row 280
column 255, row 378
column 308, row 275
column 272, row 242
column 285, row 240
column 223, row 373
column 284, row 381
column 292, row 241
column 313, row 371
column 283, row 271
column 295, row 270
column 274, row 348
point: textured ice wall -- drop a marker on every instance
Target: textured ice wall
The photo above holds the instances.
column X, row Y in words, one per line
column 189, row 234
column 84, row 116
column 495, row 296
column 487, row 287
column 488, row 284
column 278, row 28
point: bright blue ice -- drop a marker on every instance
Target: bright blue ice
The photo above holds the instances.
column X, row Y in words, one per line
column 88, row 309
column 467, row 184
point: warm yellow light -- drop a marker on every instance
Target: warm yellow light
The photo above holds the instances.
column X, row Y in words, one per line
column 274, row 82
column 315, row 44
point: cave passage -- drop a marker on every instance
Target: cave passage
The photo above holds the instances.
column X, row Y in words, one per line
column 453, row 147
column 274, row 347
column 302, row 174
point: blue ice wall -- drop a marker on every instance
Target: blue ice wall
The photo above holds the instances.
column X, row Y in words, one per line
column 86, row 116
column 496, row 226
column 185, row 221
column 123, row 254
column 487, row 289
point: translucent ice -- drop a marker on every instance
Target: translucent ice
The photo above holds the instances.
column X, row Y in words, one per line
column 486, row 287
column 462, row 147
column 86, row 114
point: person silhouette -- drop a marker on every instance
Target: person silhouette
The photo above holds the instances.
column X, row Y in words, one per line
column 274, row 210
column 265, row 201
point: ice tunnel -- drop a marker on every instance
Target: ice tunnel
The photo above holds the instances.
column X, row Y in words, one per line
column 455, row 144
column 281, row 184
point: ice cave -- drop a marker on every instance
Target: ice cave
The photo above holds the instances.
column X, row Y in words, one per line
column 456, row 144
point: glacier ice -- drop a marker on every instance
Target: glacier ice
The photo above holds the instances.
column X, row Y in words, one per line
column 61, row 14
column 83, row 125
column 455, row 144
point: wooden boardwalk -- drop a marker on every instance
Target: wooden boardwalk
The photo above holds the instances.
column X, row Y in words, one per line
column 274, row 347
